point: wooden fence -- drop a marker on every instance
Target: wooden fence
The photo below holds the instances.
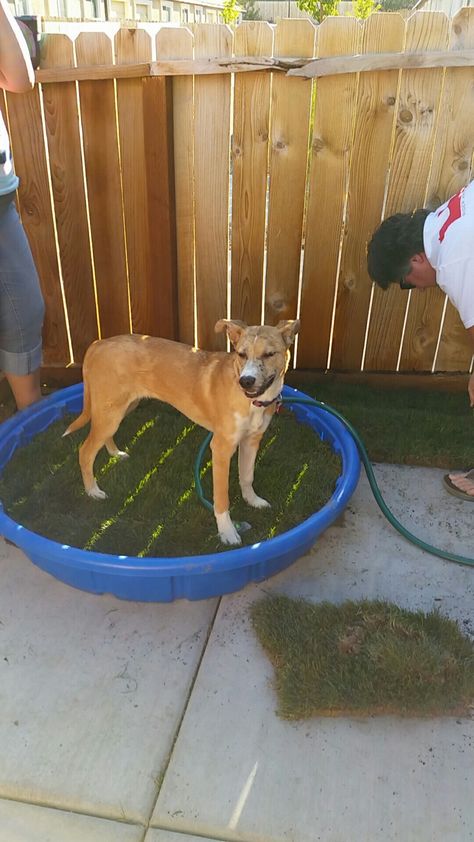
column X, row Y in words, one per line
column 161, row 203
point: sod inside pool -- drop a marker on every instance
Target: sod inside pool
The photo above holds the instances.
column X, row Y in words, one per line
column 152, row 508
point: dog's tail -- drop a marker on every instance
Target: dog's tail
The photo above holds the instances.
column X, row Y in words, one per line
column 85, row 415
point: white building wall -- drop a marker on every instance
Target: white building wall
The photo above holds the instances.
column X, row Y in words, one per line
column 272, row 10
column 449, row 7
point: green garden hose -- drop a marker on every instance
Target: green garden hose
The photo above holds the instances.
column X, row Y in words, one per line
column 445, row 554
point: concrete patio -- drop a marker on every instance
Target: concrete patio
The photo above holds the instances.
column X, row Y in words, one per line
column 133, row 722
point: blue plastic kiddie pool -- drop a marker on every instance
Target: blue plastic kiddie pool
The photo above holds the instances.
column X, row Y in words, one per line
column 189, row 577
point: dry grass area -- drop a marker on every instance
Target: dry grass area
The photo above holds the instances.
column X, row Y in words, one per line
column 364, row 658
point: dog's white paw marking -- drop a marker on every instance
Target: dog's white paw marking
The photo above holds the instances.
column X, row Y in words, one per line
column 96, row 493
column 119, row 454
column 232, row 539
column 227, row 531
column 254, row 500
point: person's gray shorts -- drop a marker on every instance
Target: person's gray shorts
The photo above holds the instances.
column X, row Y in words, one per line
column 21, row 301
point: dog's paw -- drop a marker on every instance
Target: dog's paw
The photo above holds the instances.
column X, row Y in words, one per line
column 231, row 539
column 114, row 451
column 226, row 529
column 254, row 500
column 96, row 493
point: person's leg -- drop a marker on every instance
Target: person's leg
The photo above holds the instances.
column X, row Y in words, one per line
column 21, row 310
column 26, row 388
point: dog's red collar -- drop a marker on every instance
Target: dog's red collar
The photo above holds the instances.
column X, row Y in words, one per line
column 269, row 403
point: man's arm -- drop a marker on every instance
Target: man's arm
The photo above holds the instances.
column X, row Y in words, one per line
column 16, row 70
column 470, row 386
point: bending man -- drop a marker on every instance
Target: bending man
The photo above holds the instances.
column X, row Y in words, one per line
column 422, row 249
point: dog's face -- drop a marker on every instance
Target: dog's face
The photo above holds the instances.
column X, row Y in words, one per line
column 261, row 353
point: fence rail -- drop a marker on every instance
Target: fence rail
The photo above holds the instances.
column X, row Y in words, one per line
column 160, row 203
column 309, row 68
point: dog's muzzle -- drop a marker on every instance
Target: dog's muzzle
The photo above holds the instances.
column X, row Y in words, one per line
column 246, row 382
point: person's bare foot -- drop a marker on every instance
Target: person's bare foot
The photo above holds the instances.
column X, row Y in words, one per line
column 463, row 483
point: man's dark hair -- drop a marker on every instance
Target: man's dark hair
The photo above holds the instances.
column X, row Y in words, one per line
column 393, row 244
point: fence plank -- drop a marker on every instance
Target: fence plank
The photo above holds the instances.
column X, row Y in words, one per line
column 178, row 43
column 417, row 114
column 158, row 131
column 134, row 45
column 211, row 182
column 147, row 204
column 291, row 106
column 376, row 101
column 452, row 169
column 35, row 205
column 328, row 182
column 249, row 177
column 64, row 144
column 98, row 117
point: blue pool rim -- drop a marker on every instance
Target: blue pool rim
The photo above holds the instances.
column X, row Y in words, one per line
column 187, row 577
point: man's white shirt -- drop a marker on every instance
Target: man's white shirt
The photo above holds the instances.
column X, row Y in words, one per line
column 448, row 237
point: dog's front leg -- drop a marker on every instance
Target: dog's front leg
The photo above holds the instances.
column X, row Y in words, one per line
column 222, row 452
column 248, row 450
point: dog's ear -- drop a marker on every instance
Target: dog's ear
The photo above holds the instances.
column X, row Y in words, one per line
column 233, row 327
column 288, row 329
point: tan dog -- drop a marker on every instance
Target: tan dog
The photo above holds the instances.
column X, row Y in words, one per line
column 231, row 394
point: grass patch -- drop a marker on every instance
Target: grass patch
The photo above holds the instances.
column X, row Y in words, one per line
column 152, row 508
column 364, row 658
column 405, row 426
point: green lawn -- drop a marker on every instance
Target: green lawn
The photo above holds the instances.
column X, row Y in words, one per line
column 406, row 426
